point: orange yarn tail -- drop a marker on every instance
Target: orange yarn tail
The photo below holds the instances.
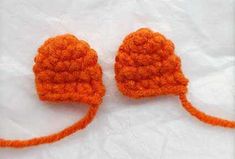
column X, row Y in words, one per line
column 53, row 137
column 203, row 116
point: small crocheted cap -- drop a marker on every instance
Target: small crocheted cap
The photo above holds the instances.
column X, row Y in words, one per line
column 146, row 65
column 66, row 69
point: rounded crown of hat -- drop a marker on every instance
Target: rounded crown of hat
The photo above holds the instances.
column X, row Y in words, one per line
column 66, row 69
column 146, row 65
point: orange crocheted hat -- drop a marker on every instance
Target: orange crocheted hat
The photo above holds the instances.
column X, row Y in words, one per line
column 146, row 65
column 66, row 69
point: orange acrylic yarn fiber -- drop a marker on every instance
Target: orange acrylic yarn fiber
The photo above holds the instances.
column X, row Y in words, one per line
column 65, row 69
column 146, row 65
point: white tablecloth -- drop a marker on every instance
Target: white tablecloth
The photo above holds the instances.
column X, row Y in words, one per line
column 156, row 128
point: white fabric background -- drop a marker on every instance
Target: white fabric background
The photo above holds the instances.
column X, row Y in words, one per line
column 156, row 128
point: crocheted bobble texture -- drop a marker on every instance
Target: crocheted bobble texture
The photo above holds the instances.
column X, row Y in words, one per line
column 66, row 69
column 147, row 66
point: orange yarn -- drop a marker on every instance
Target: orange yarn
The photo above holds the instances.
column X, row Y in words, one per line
column 146, row 65
column 66, row 69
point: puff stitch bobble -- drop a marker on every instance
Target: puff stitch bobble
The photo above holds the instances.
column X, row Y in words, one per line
column 146, row 65
column 66, row 70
